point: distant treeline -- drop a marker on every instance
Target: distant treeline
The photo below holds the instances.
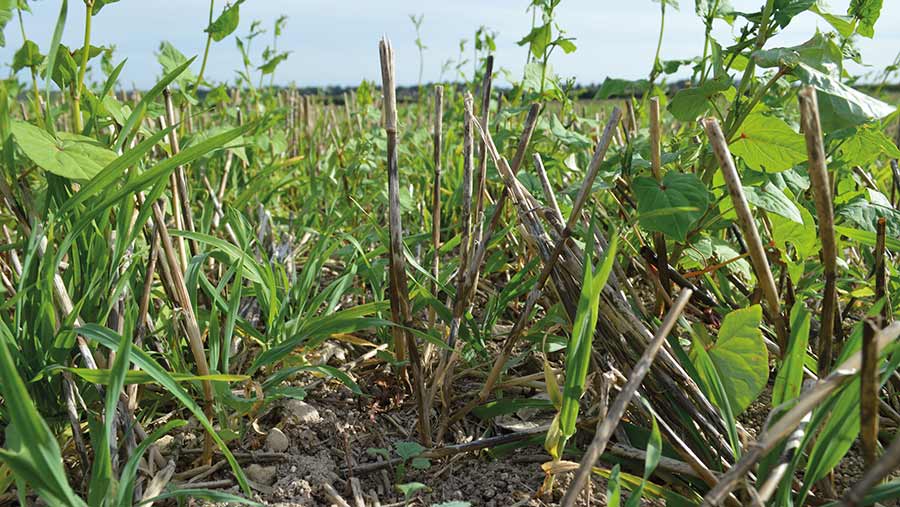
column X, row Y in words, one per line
column 610, row 89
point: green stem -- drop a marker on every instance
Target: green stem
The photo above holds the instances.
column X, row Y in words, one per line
column 206, row 50
column 39, row 112
column 85, row 54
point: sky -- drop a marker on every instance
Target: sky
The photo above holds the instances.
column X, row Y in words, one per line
column 334, row 42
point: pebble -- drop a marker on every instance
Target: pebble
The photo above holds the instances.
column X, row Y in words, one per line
column 260, row 474
column 277, row 441
column 300, row 412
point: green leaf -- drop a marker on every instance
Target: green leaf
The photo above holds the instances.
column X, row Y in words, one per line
column 801, row 235
column 226, row 23
column 690, row 103
column 99, row 4
column 772, row 199
column 865, row 214
column 840, row 106
column 578, row 352
column 28, row 56
column 173, row 62
column 866, row 145
column 68, row 155
column 570, row 138
column 269, row 66
column 144, row 361
column 538, row 38
column 6, row 14
column 785, row 10
column 867, row 12
column 844, row 25
column 410, row 488
column 740, row 357
column 408, row 450
column 819, row 52
column 504, row 406
column 614, row 488
column 709, row 378
column 32, row 452
column 684, row 194
column 613, row 87
column 789, row 380
column 768, row 144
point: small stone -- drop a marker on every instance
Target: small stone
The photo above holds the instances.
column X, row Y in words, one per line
column 300, row 412
column 261, row 474
column 165, row 442
column 277, row 441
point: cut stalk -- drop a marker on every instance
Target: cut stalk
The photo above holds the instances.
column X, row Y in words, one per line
column 868, row 397
column 751, row 235
column 608, row 424
column 535, row 293
column 821, row 184
column 436, row 192
column 399, row 291
column 659, row 240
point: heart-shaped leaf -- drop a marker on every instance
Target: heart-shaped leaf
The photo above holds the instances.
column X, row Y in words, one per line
column 768, row 144
column 672, row 206
column 67, row 155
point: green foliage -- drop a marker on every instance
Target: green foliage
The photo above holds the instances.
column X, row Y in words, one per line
column 226, row 23
column 68, row 155
column 740, row 357
column 768, row 144
column 673, row 206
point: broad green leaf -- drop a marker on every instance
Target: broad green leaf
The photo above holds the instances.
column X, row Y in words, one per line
column 690, row 103
column 789, row 380
column 271, row 64
column 819, row 52
column 772, row 199
column 538, row 40
column 768, row 144
column 865, row 214
column 68, row 155
column 28, row 56
column 684, row 194
column 613, row 87
column 840, row 106
column 99, row 4
column 710, row 379
column 570, row 138
column 740, row 357
column 867, row 144
column 802, row 235
column 6, row 14
column 867, row 13
column 410, row 488
column 785, row 10
column 172, row 60
column 226, row 23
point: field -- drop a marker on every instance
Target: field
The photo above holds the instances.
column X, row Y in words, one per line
column 456, row 294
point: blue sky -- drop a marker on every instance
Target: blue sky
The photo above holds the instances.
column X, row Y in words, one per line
column 335, row 41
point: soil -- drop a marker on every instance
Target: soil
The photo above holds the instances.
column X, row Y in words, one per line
column 333, row 431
